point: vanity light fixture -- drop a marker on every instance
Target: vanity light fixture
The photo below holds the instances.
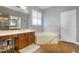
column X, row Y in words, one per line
column 22, row 7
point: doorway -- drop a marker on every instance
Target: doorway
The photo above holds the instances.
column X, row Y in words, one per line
column 68, row 26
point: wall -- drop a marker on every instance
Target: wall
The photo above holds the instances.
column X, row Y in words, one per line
column 23, row 16
column 77, row 25
column 51, row 18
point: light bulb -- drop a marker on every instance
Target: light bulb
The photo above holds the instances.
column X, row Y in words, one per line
column 23, row 7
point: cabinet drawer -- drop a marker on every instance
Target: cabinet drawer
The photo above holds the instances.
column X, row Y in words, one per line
column 31, row 33
column 22, row 43
column 22, row 35
column 8, row 37
column 4, row 38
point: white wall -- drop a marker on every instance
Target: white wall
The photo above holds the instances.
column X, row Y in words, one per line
column 51, row 20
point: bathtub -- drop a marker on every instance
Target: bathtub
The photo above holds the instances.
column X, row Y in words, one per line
column 46, row 38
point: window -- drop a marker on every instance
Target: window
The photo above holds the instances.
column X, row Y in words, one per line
column 36, row 17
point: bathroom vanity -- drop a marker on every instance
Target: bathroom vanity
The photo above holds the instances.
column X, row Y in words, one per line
column 21, row 38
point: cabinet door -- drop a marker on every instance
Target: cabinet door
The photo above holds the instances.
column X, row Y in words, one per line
column 31, row 38
column 22, row 41
column 26, row 39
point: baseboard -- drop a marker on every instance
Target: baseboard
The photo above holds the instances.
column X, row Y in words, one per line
column 77, row 43
column 74, row 42
column 70, row 42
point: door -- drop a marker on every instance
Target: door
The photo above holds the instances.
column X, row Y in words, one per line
column 68, row 26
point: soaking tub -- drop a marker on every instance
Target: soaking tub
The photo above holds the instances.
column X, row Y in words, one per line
column 46, row 38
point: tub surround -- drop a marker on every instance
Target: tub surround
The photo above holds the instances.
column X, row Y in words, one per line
column 47, row 38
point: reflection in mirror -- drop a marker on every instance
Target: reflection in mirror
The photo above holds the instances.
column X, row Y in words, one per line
column 4, row 21
column 15, row 22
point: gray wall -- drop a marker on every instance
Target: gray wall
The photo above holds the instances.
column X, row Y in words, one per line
column 51, row 18
column 23, row 16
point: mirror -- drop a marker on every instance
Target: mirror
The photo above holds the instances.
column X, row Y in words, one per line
column 8, row 22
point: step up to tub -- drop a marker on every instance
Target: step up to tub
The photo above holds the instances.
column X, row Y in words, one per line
column 30, row 49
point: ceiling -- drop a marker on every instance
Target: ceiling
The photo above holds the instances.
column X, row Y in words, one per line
column 25, row 11
column 17, row 9
column 44, row 7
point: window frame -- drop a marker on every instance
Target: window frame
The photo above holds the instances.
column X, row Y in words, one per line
column 38, row 17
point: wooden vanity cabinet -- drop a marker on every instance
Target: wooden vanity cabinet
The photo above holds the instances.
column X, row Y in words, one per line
column 25, row 39
column 22, row 40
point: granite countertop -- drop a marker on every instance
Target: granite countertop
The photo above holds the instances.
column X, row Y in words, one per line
column 12, row 32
